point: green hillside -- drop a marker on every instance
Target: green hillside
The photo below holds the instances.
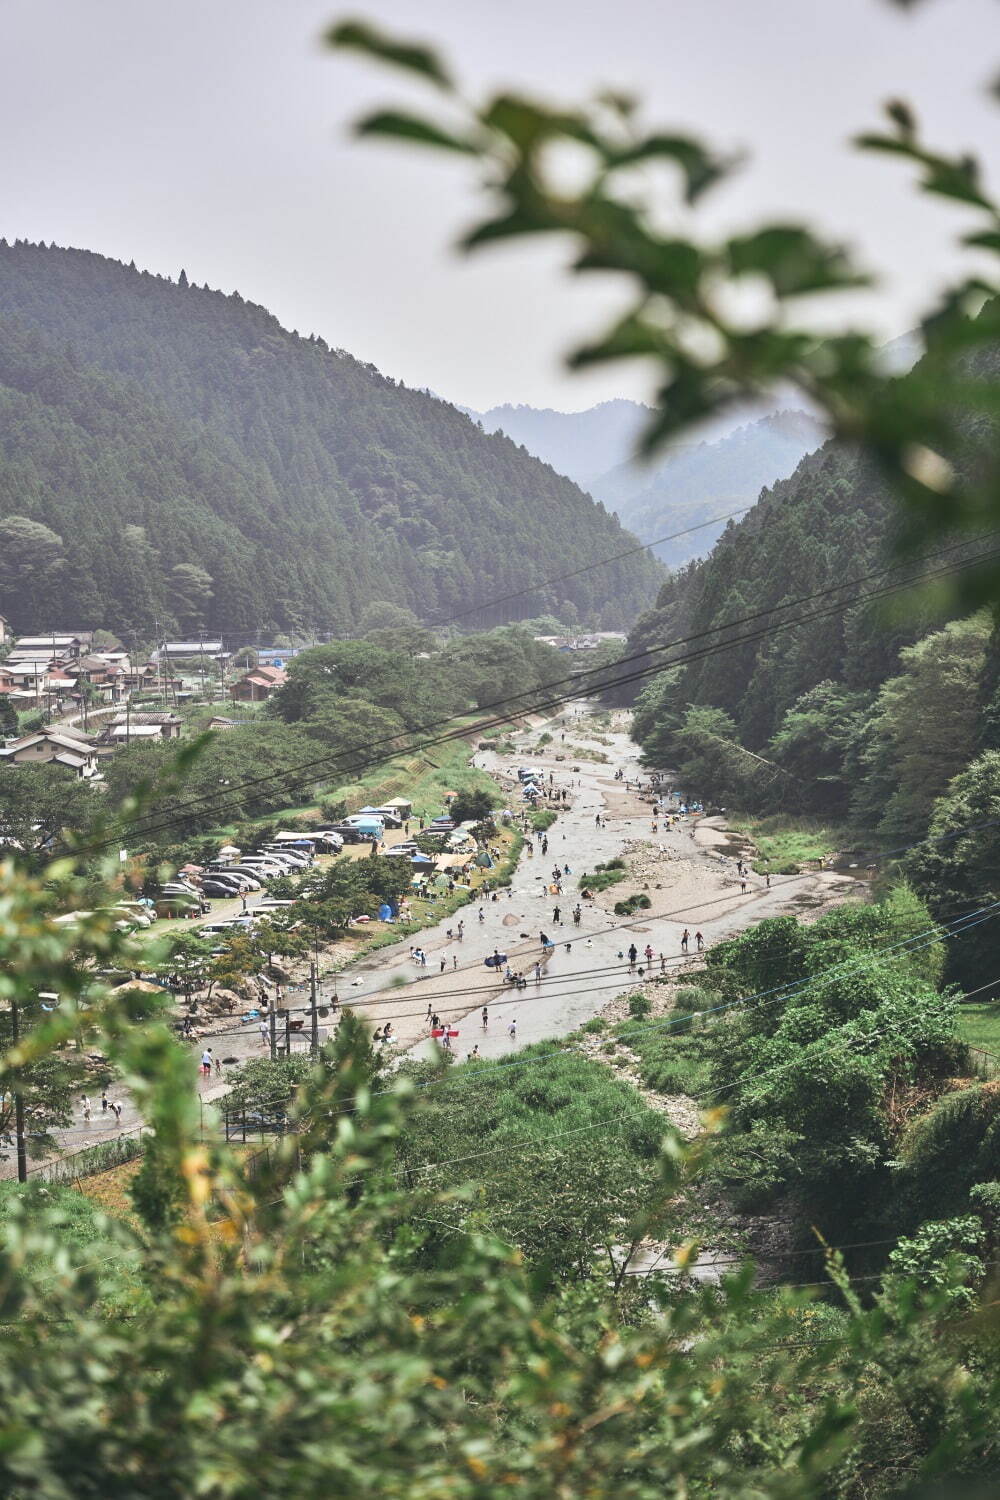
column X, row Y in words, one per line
column 152, row 425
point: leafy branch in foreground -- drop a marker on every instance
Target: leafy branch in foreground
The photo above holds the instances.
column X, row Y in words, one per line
column 720, row 319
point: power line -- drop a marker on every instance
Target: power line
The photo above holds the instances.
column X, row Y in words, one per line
column 915, row 942
column 576, row 686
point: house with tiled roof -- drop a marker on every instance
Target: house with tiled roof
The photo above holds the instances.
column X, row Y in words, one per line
column 57, row 745
column 258, row 684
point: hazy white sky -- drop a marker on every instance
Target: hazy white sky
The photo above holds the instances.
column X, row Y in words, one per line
column 212, row 134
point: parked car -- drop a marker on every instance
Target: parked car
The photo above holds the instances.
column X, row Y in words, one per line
column 329, row 836
column 352, row 835
column 239, row 881
column 297, row 857
column 218, row 891
column 242, row 875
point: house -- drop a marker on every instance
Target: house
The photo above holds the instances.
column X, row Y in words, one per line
column 258, row 684
column 128, row 726
column 218, row 722
column 208, row 650
column 152, row 677
column 275, row 656
column 35, row 681
column 6, row 634
column 67, row 747
column 61, row 648
column 106, row 677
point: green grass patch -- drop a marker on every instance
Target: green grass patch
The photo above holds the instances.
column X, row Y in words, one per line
column 979, row 1024
column 542, row 819
column 602, row 876
column 668, row 1062
column 632, row 904
column 786, row 844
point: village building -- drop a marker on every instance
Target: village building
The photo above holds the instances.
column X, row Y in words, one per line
column 275, row 656
column 127, row 726
column 258, row 684
column 64, row 746
column 56, row 647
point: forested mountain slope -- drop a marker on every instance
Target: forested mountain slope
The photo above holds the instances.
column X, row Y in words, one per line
column 153, row 425
column 852, row 707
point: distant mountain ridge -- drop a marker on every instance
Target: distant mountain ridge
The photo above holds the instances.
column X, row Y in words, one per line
column 705, row 481
column 580, row 444
column 722, row 464
column 200, row 465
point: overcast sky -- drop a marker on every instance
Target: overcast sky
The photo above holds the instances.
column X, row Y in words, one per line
column 212, row 134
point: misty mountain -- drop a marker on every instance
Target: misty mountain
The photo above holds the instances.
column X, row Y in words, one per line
column 696, row 483
column 581, row 444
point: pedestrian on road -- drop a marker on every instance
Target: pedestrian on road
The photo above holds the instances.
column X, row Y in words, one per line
column 685, row 939
column 699, row 940
column 486, row 1019
column 243, row 901
column 206, row 1063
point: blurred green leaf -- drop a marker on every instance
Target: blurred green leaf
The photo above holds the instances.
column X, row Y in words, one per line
column 404, row 127
column 359, row 36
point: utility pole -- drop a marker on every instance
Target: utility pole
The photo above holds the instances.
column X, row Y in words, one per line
column 22, row 1154
column 272, row 1017
column 313, row 1012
